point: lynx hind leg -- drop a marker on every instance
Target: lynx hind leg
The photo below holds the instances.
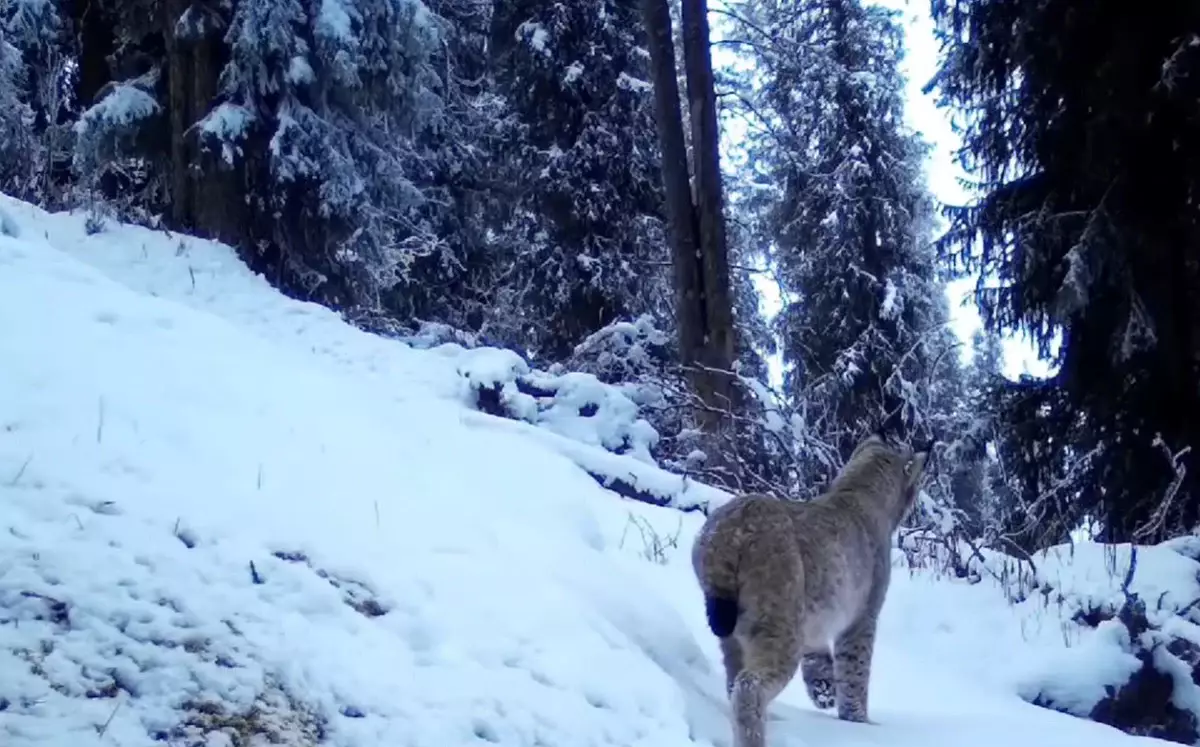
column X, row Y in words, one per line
column 852, row 669
column 731, row 652
column 768, row 665
column 817, row 669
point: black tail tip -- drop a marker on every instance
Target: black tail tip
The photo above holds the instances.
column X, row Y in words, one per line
column 722, row 615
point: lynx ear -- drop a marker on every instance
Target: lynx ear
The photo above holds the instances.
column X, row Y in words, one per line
column 890, row 426
column 914, row 468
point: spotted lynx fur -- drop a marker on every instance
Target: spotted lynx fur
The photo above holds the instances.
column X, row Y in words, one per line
column 790, row 585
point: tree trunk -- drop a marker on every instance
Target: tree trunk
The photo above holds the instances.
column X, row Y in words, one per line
column 706, row 164
column 877, row 260
column 204, row 193
column 682, row 229
column 95, row 34
column 696, row 229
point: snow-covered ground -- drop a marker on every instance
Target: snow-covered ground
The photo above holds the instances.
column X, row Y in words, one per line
column 225, row 513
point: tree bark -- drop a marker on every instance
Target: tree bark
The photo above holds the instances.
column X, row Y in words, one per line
column 696, row 229
column 706, row 164
column 204, row 193
column 682, row 228
column 95, row 33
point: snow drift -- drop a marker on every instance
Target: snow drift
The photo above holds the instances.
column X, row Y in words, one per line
column 231, row 519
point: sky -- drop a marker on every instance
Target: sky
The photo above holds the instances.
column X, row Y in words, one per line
column 933, row 124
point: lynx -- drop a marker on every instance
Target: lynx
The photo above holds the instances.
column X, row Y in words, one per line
column 790, row 585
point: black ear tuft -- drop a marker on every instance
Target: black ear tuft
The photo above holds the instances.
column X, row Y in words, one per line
column 888, row 429
column 927, row 449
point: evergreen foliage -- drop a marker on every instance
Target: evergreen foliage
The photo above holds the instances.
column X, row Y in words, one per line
column 847, row 220
column 583, row 224
column 1083, row 131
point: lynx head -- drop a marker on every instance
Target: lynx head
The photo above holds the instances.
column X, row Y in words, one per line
column 891, row 472
column 915, row 461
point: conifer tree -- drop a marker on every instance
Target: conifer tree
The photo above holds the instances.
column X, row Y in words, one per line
column 582, row 229
column 1086, row 146
column 321, row 138
column 848, row 220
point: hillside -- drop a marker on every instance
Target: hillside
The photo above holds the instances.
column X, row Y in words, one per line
column 233, row 519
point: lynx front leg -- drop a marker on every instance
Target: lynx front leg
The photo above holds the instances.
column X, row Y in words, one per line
column 731, row 652
column 852, row 669
column 817, row 669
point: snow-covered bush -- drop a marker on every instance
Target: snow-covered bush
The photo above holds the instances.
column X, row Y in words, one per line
column 1130, row 619
column 575, row 405
column 627, row 353
column 622, row 393
column 763, row 438
column 939, row 534
column 32, row 98
column 594, row 424
column 938, row 552
column 420, row 334
column 1131, row 674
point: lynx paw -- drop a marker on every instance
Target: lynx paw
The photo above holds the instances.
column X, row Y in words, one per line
column 853, row 715
column 821, row 693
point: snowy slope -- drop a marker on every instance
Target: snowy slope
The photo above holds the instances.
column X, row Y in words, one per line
column 226, row 513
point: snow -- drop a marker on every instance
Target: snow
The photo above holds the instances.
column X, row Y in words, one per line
column 536, row 35
column 124, row 105
column 637, row 85
column 773, row 419
column 300, row 72
column 334, row 21
column 1076, row 678
column 889, row 308
column 1163, row 576
column 227, row 124
column 1076, row 593
column 576, row 405
column 228, row 512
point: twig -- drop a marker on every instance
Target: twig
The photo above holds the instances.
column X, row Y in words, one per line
column 1125, row 584
column 20, row 472
column 101, row 730
column 1188, row 607
column 1160, row 514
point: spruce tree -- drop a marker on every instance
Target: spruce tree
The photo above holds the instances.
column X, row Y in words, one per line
column 1086, row 147
column 968, row 455
column 15, row 117
column 328, row 140
column 36, row 63
column 848, row 220
column 582, row 228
